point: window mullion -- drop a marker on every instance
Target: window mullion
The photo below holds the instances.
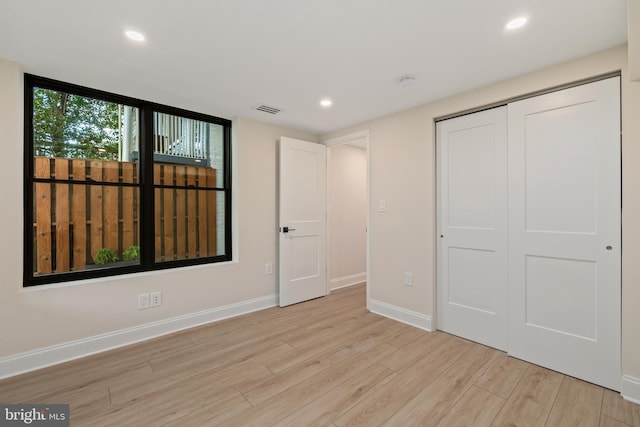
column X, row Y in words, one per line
column 147, row 204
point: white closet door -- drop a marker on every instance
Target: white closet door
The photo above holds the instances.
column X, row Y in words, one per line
column 564, row 231
column 472, row 209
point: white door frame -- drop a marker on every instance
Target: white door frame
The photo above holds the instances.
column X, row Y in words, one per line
column 345, row 139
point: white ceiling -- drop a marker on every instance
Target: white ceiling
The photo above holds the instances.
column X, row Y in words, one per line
column 223, row 57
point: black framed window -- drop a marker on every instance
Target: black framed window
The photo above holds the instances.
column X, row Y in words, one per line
column 116, row 185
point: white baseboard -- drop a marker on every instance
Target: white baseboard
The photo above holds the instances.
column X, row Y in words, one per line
column 400, row 314
column 48, row 356
column 343, row 282
column 631, row 389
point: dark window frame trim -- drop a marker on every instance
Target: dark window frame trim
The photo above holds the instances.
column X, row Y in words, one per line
column 145, row 184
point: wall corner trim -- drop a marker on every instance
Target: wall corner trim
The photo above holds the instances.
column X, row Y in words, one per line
column 631, row 389
column 53, row 355
column 400, row 314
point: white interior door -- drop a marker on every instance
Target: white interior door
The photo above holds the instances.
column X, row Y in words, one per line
column 472, row 227
column 302, row 218
column 564, row 231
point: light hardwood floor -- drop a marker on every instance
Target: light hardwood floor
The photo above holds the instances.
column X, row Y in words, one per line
column 326, row 362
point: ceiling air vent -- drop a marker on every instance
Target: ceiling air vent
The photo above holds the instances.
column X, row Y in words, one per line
column 268, row 109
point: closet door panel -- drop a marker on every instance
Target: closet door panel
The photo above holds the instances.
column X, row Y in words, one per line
column 472, row 225
column 564, row 231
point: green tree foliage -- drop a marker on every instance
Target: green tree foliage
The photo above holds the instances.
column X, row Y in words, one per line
column 73, row 126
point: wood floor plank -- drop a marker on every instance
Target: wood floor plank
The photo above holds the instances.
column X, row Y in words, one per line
column 503, row 376
column 476, row 408
column 531, row 400
column 406, row 335
column 237, row 336
column 487, row 355
column 278, row 407
column 619, row 409
column 220, row 354
column 359, row 345
column 344, row 313
column 82, row 379
column 222, row 370
column 611, row 422
column 329, row 333
column 324, row 340
column 329, row 406
column 433, row 403
column 138, row 353
column 81, row 400
column 382, row 404
column 136, row 390
column 301, row 315
column 212, row 331
column 180, row 399
column 578, row 404
column 312, row 309
column 157, row 410
column 415, row 350
column 211, row 413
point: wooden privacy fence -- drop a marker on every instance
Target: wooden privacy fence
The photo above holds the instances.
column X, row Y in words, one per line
column 185, row 218
column 73, row 221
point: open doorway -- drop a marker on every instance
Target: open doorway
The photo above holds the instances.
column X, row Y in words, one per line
column 348, row 211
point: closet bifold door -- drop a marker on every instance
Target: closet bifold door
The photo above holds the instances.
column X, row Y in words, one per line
column 472, row 227
column 565, row 231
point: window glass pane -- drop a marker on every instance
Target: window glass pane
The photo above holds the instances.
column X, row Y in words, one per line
column 220, row 224
column 189, row 157
column 78, row 227
column 187, row 223
column 184, row 141
column 217, row 153
column 97, row 134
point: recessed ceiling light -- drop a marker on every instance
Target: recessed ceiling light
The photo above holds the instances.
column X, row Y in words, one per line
column 326, row 102
column 134, row 35
column 516, row 23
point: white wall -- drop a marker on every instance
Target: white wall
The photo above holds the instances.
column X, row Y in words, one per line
column 402, row 149
column 52, row 315
column 633, row 16
column 347, row 214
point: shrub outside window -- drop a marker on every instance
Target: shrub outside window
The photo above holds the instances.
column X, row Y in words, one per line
column 115, row 185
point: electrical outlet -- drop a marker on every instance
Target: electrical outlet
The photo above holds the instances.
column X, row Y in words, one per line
column 156, row 299
column 143, row 301
column 408, row 279
column 268, row 268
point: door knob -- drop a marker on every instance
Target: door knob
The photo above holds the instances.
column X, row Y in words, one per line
column 609, row 248
column 287, row 229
